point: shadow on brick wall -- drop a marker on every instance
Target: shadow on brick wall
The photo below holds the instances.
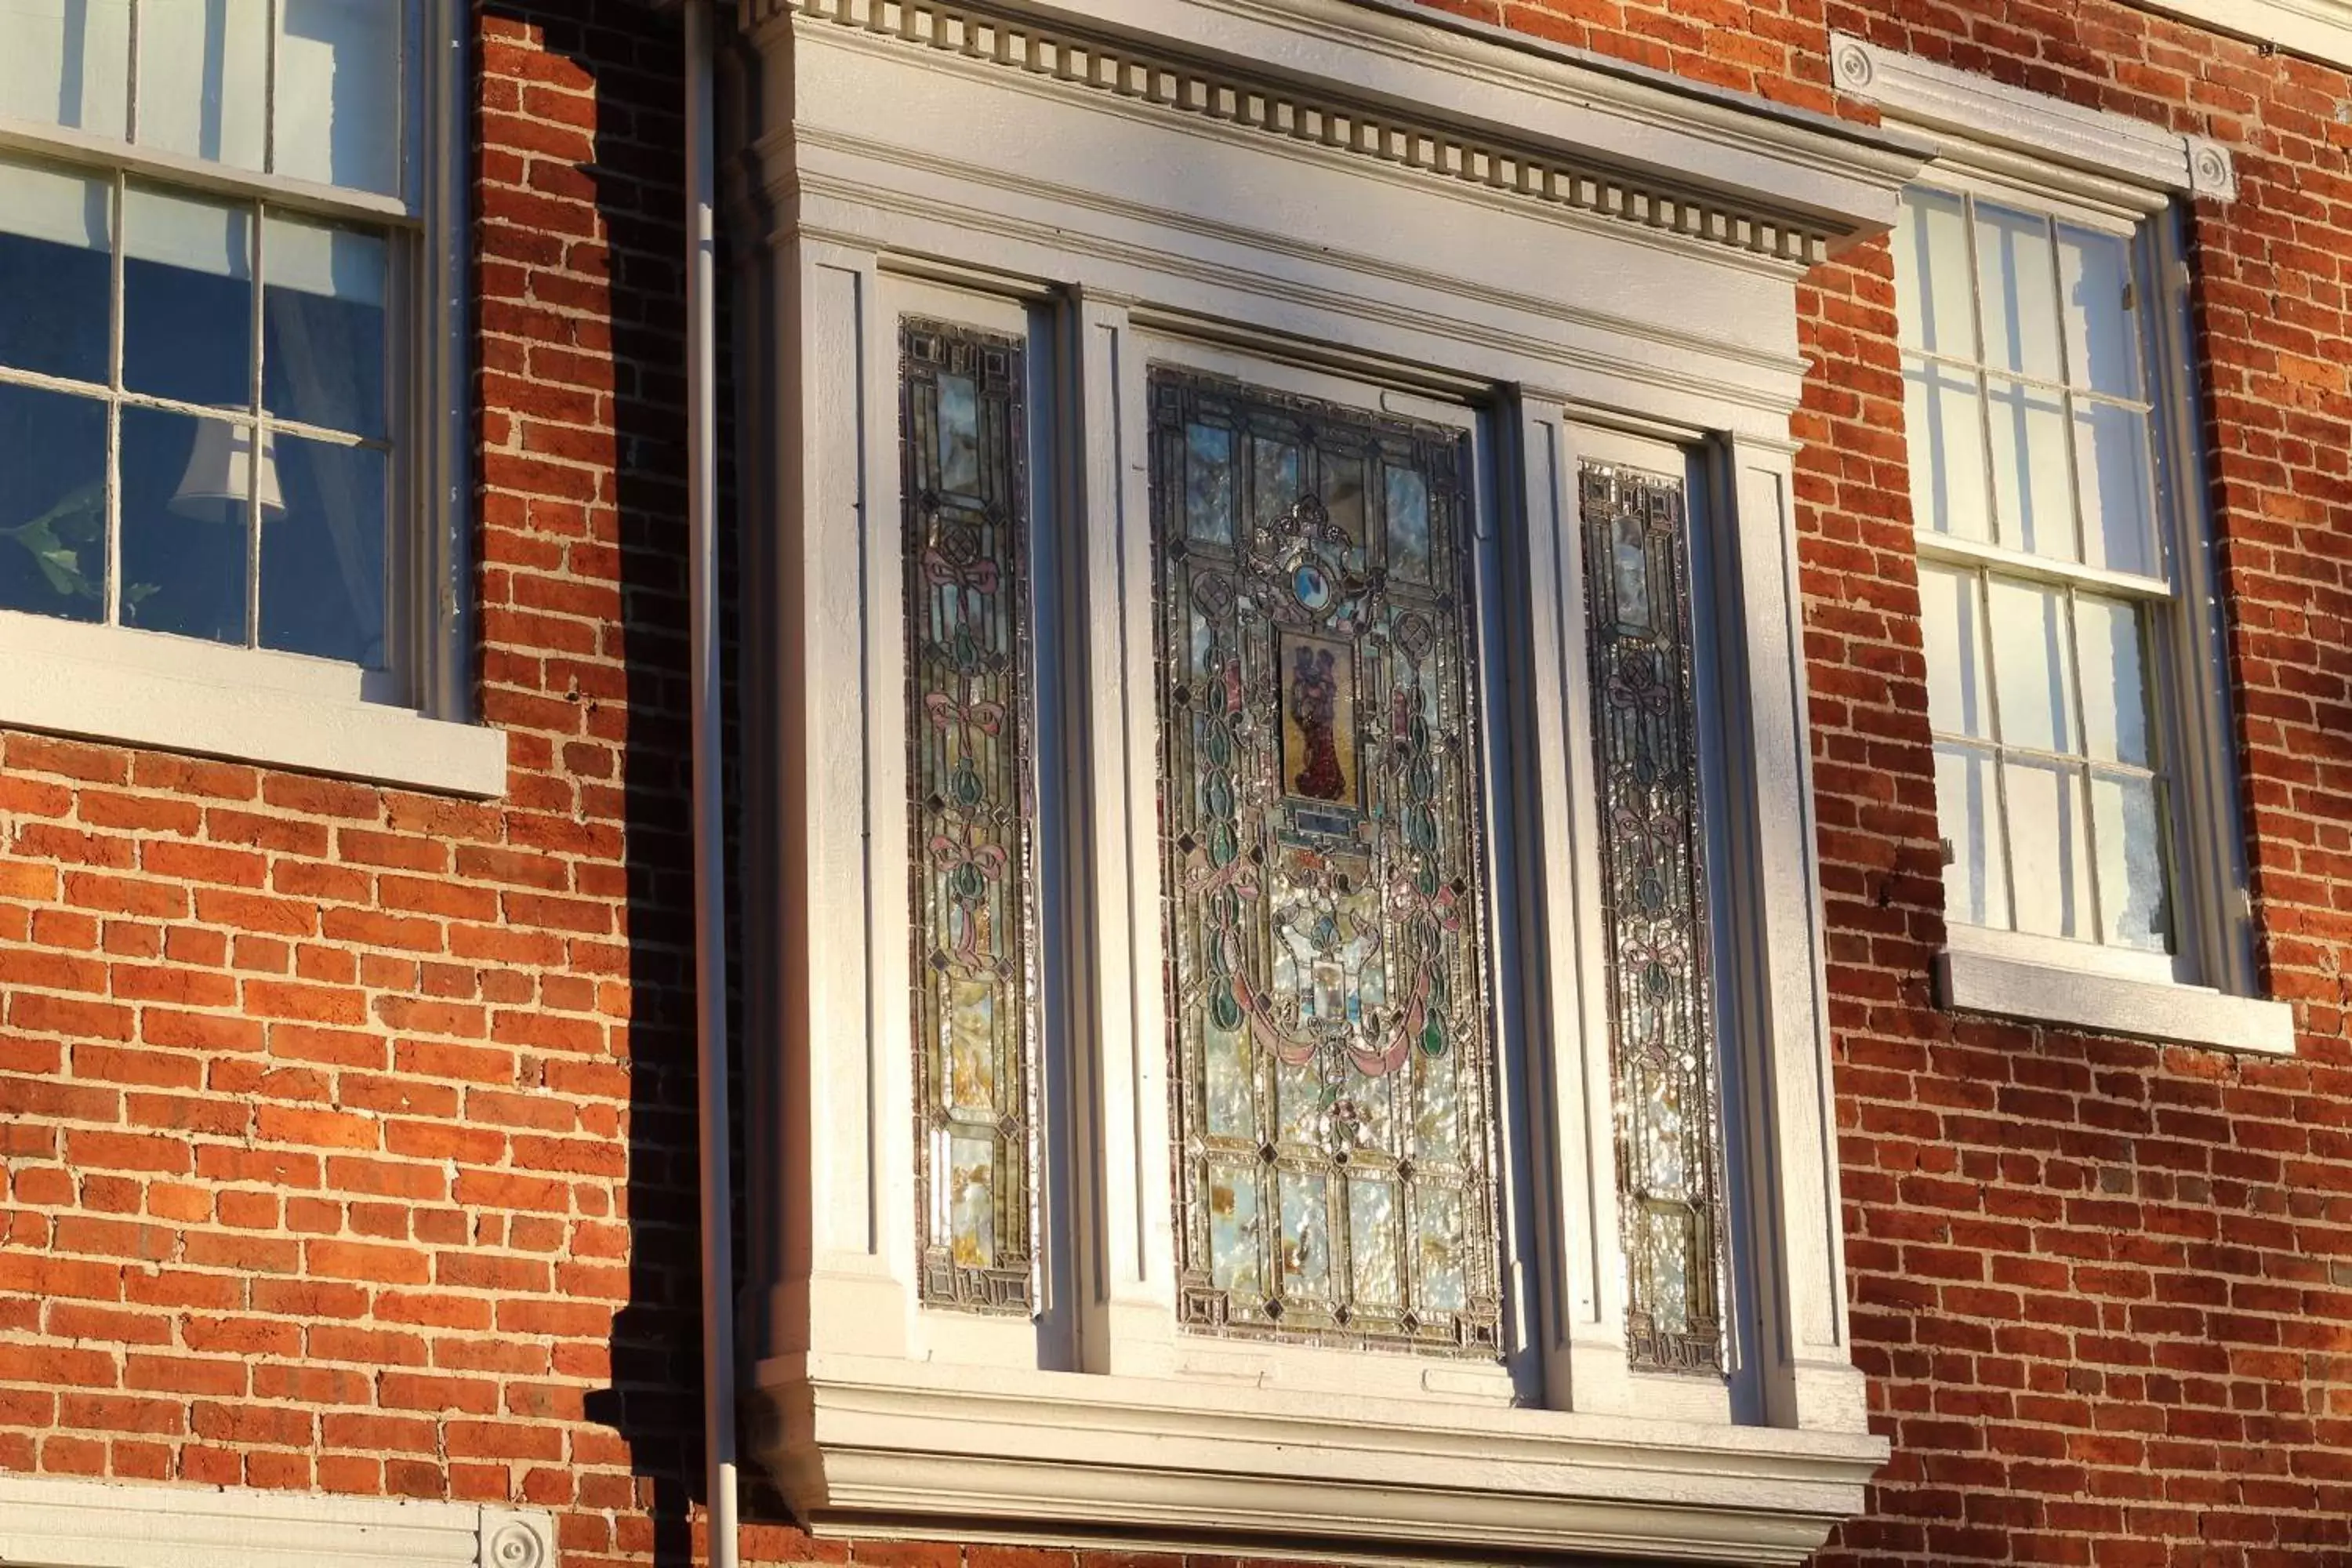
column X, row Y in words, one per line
column 582, row 286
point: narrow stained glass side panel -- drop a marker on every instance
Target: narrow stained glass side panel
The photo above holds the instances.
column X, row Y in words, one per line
column 1323, row 856
column 971, row 861
column 1661, row 1032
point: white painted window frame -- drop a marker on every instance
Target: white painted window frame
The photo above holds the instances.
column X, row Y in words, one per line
column 61, row 1522
column 1172, row 203
column 413, row 723
column 2126, row 177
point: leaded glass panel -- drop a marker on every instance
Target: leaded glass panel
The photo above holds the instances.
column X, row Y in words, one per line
column 972, row 868
column 1662, row 1034
column 1323, row 855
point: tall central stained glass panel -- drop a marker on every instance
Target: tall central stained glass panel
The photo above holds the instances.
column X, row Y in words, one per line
column 1324, row 864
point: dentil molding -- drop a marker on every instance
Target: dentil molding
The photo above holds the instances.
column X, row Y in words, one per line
column 1704, row 150
column 59, row 1524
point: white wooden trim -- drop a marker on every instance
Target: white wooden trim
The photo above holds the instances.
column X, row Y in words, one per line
column 1957, row 105
column 1752, row 177
column 1043, row 1458
column 103, row 1524
column 1147, row 180
column 1808, row 1379
column 2320, row 29
column 2157, row 1010
column 63, row 143
column 145, row 688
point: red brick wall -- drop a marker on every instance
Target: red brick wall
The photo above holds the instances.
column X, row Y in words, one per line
column 347, row 1132
column 2103, row 1289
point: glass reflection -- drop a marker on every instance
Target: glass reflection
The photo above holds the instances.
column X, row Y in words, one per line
column 2049, row 849
column 1967, row 812
column 56, row 272
column 185, row 522
column 322, row 552
column 2132, row 907
column 337, row 93
column 323, row 325
column 204, row 80
column 1943, row 421
column 1209, row 482
column 52, row 504
column 67, row 63
column 2031, row 485
column 188, row 299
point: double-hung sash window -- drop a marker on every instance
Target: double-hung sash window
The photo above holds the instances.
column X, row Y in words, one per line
column 2069, row 606
column 224, row 411
column 2048, row 593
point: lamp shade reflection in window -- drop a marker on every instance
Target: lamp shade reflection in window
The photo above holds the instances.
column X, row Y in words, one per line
column 195, row 433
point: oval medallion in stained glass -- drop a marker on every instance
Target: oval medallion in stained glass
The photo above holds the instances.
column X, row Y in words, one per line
column 1324, row 862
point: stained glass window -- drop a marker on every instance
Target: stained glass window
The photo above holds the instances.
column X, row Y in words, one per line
column 1319, row 807
column 970, row 853
column 1662, row 1043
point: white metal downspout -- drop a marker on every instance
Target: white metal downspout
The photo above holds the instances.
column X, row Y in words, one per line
column 710, row 823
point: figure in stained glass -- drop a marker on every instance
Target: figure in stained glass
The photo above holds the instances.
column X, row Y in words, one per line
column 1320, row 720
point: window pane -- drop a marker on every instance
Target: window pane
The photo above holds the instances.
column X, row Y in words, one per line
column 1373, row 1237
column 1654, row 880
column 2112, row 469
column 186, row 481
column 1931, row 275
column 67, row 63
column 1951, row 613
column 187, row 298
column 322, row 556
column 1968, row 815
column 204, row 78
column 2114, row 679
column 323, row 325
column 1943, row 420
column 52, row 504
column 1209, row 482
column 2102, row 336
column 2030, row 484
column 2049, row 849
column 2131, row 862
column 56, row 272
column 2030, row 653
column 963, row 535
column 2017, row 277
column 1275, row 481
column 339, row 92
column 1324, row 867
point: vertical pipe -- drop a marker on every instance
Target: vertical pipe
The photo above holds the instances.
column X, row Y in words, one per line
column 710, row 825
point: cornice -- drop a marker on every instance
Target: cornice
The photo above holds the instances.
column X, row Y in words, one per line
column 1957, row 107
column 1664, row 178
column 865, row 1448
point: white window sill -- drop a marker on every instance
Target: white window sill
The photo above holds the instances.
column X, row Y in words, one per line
column 96, row 1525
column 143, row 688
column 873, row 1446
column 2113, row 1004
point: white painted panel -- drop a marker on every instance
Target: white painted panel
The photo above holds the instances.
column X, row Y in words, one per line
column 835, row 692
